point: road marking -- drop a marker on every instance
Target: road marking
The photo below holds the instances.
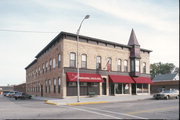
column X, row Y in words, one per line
column 96, row 113
column 152, row 110
column 115, row 112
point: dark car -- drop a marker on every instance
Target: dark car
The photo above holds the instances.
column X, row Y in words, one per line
column 167, row 94
column 21, row 95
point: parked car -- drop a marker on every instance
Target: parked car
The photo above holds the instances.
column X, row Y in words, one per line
column 167, row 94
column 5, row 93
column 21, row 95
column 12, row 93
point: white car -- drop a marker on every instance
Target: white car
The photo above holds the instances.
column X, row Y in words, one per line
column 167, row 94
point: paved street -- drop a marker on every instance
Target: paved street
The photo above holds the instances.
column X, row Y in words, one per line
column 142, row 109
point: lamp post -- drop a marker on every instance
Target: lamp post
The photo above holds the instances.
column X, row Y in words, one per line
column 78, row 87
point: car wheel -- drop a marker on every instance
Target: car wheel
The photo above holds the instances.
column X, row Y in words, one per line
column 167, row 97
column 177, row 97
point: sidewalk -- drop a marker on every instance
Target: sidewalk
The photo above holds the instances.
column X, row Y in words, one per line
column 92, row 100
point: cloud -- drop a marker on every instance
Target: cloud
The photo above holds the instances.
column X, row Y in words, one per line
column 135, row 12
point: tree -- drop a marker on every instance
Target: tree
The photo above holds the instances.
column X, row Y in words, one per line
column 160, row 68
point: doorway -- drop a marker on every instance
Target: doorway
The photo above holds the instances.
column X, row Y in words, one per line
column 133, row 89
column 41, row 90
column 104, row 86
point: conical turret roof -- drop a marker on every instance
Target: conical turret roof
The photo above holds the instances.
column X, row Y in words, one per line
column 133, row 39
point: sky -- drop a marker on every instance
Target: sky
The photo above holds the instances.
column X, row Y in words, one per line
column 27, row 26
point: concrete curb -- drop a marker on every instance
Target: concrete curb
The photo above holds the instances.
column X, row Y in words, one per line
column 50, row 102
column 83, row 103
column 80, row 103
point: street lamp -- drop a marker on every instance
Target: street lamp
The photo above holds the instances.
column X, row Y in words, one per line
column 78, row 88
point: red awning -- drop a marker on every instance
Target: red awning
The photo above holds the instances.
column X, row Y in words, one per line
column 83, row 77
column 120, row 79
column 142, row 80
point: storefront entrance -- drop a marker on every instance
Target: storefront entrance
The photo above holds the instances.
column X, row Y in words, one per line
column 41, row 90
column 104, row 86
column 133, row 88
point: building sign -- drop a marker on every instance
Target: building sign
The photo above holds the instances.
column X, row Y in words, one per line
column 84, row 77
column 90, row 78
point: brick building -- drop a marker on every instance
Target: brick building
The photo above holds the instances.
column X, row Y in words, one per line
column 106, row 68
column 20, row 87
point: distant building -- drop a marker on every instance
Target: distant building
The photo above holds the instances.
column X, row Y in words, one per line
column 106, row 68
column 20, row 87
column 6, row 88
column 165, row 82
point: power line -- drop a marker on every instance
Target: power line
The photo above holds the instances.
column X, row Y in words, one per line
column 8, row 30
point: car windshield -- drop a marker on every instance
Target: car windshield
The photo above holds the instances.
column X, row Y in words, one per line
column 166, row 91
column 18, row 93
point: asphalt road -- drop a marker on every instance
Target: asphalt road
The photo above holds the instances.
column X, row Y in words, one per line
column 143, row 109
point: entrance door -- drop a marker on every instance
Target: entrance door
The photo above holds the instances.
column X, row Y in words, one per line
column 41, row 90
column 133, row 89
column 111, row 90
column 104, row 86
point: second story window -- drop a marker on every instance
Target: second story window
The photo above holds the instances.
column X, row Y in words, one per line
column 125, row 66
column 84, row 61
column 137, row 65
column 144, row 67
column 54, row 63
column 109, row 64
column 72, row 59
column 47, row 66
column 98, row 62
column 59, row 60
column 50, row 64
column 43, row 67
column 119, row 65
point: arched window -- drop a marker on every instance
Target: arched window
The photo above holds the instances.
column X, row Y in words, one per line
column 54, row 85
column 59, row 60
column 144, row 67
column 50, row 64
column 59, row 84
column 119, row 65
column 54, row 63
column 72, row 59
column 83, row 61
column 125, row 66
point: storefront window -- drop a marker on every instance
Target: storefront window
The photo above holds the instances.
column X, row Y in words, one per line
column 139, row 88
column 145, row 88
column 126, row 88
column 72, row 83
column 121, row 88
column 83, row 83
column 94, row 84
column 118, row 88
